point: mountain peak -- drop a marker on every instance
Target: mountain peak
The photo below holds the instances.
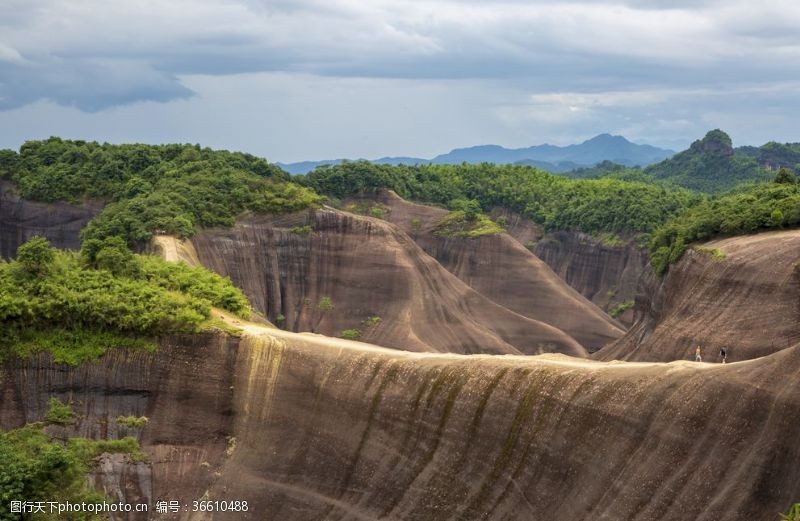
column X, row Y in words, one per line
column 714, row 142
column 606, row 138
column 603, row 147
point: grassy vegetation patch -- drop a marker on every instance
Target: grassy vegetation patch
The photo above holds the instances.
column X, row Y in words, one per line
column 457, row 224
column 713, row 253
column 367, row 208
column 35, row 467
column 793, row 514
column 371, row 321
column 302, row 231
column 76, row 306
column 325, row 304
column 217, row 324
column 610, row 240
column 74, row 347
column 59, row 413
column 350, row 334
column 621, row 308
column 133, row 422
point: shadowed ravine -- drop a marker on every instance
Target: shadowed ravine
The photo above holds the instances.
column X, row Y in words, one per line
column 306, row 427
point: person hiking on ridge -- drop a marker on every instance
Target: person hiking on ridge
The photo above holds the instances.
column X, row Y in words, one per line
column 723, row 353
column 697, row 357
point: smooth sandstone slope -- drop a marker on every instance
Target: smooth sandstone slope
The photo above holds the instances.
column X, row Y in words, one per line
column 607, row 274
column 288, row 266
column 502, row 269
column 747, row 301
column 309, row 428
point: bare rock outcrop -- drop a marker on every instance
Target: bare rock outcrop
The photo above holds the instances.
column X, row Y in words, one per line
column 185, row 391
column 606, row 274
column 502, row 269
column 741, row 293
column 21, row 220
column 304, row 427
column 328, row 271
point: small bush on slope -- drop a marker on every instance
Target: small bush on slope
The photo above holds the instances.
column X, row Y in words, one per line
column 458, row 224
column 350, row 334
column 59, row 413
column 621, row 308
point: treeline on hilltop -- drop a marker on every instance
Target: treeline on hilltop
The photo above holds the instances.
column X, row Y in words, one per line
column 555, row 202
column 710, row 165
column 173, row 189
column 152, row 188
column 746, row 210
column 622, row 201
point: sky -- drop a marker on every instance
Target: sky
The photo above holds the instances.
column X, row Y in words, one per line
column 291, row 80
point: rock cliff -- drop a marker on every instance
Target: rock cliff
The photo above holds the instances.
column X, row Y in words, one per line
column 502, row 269
column 21, row 219
column 605, row 274
column 305, row 428
column 328, row 271
column 741, row 293
column 608, row 275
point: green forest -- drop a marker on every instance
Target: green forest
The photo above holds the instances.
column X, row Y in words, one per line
column 555, row 202
column 710, row 165
column 747, row 210
column 152, row 188
column 77, row 304
column 39, row 467
column 711, row 189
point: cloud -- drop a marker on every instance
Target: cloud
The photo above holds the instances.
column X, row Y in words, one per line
column 88, row 84
column 300, row 79
column 96, row 54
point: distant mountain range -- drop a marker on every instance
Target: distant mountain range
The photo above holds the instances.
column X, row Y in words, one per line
column 604, row 147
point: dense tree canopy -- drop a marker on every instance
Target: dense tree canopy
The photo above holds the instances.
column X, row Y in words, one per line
column 63, row 170
column 106, row 288
column 554, row 202
column 710, row 165
column 152, row 189
column 36, row 467
column 746, row 210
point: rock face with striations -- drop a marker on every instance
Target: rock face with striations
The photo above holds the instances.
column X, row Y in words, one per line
column 309, row 428
column 741, row 293
column 608, row 275
column 502, row 269
column 328, row 272
column 21, row 220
